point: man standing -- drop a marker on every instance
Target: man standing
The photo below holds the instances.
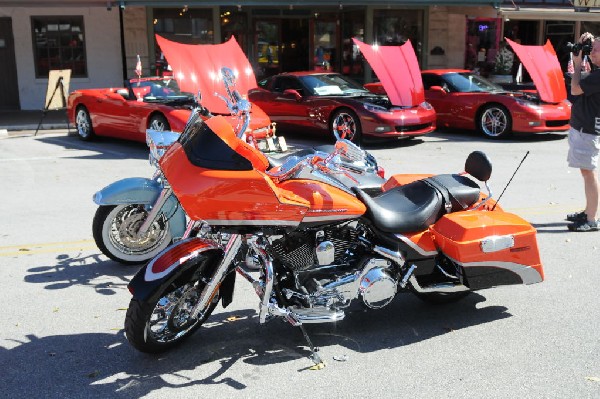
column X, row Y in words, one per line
column 584, row 135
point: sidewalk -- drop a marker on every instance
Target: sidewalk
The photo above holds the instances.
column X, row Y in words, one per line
column 29, row 120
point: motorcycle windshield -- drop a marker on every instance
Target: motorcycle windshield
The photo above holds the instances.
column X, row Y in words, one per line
column 197, row 67
column 213, row 145
column 398, row 70
column 543, row 67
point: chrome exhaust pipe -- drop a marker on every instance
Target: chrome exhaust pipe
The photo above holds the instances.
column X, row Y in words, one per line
column 442, row 287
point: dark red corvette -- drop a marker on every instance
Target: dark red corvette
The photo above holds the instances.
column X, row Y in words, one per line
column 335, row 105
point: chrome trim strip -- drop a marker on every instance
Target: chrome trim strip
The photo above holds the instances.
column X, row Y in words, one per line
column 527, row 273
column 223, row 222
column 328, row 218
column 414, row 246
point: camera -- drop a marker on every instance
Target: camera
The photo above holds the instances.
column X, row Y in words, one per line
column 585, row 47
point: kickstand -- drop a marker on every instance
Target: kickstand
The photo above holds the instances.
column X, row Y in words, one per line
column 314, row 356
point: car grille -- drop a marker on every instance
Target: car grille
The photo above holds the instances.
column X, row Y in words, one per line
column 413, row 128
column 557, row 123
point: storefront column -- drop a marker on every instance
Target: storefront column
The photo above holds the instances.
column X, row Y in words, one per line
column 369, row 40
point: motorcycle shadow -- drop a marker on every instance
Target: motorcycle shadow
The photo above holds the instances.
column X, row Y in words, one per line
column 404, row 322
column 106, row 277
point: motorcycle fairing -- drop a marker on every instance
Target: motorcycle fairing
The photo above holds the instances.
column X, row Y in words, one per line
column 464, row 238
column 197, row 67
column 398, row 70
column 185, row 253
column 229, row 197
column 327, row 203
column 543, row 67
column 139, row 190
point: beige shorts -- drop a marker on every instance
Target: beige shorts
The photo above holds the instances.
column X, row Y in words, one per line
column 583, row 150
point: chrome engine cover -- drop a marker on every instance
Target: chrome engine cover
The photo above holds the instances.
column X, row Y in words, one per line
column 377, row 288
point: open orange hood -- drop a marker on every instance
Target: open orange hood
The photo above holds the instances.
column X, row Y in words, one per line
column 543, row 66
column 197, row 67
column 398, row 70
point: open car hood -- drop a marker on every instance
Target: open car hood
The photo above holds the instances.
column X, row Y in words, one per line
column 543, row 67
column 398, row 70
column 197, row 67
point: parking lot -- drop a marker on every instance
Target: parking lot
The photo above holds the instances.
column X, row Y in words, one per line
column 64, row 303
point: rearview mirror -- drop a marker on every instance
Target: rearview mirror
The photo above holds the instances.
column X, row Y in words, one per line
column 293, row 92
column 438, row 88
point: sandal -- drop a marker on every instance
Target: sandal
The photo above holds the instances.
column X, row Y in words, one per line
column 584, row 226
column 577, row 217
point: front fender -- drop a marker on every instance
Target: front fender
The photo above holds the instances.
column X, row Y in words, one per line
column 140, row 190
column 172, row 263
column 132, row 190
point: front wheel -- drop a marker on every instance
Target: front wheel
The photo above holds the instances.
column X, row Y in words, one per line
column 159, row 123
column 494, row 121
column 115, row 232
column 158, row 325
column 345, row 124
column 83, row 124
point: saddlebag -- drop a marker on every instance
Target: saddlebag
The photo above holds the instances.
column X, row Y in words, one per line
column 492, row 247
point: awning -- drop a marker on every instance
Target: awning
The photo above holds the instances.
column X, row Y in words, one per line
column 251, row 3
column 549, row 14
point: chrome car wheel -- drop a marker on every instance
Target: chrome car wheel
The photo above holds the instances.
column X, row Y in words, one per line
column 115, row 232
column 495, row 121
column 346, row 125
column 159, row 123
column 83, row 123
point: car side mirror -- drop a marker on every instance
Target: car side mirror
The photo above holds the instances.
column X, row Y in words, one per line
column 293, row 92
column 438, row 89
column 123, row 93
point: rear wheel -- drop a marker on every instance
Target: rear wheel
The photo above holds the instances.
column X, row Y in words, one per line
column 158, row 325
column 159, row 123
column 345, row 124
column 83, row 124
column 115, row 232
column 494, row 121
column 440, row 298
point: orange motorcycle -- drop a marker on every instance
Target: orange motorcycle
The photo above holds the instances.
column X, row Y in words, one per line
column 314, row 243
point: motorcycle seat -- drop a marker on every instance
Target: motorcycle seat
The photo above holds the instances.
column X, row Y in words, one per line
column 417, row 205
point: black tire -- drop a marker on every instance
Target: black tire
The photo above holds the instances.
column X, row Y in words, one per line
column 83, row 123
column 345, row 124
column 159, row 123
column 440, row 298
column 494, row 121
column 170, row 326
column 113, row 229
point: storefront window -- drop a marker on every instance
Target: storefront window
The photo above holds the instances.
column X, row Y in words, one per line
column 59, row 43
column 395, row 27
column 234, row 23
column 483, row 38
column 560, row 33
column 325, row 45
column 353, row 26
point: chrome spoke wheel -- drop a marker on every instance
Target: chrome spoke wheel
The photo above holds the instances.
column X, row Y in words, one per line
column 116, row 228
column 495, row 121
column 344, row 126
column 83, row 124
column 159, row 123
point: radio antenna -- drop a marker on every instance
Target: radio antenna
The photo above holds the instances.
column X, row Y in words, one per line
column 511, row 178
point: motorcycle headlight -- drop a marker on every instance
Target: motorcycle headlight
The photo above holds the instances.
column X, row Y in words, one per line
column 374, row 108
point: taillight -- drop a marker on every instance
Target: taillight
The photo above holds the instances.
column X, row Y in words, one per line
column 380, row 172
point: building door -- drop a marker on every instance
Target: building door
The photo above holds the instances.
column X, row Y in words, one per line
column 9, row 87
column 560, row 33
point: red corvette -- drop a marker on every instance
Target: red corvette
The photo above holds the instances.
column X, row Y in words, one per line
column 164, row 103
column 333, row 104
column 467, row 101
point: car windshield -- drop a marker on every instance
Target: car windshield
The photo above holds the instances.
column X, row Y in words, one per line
column 332, row 84
column 164, row 89
column 466, row 82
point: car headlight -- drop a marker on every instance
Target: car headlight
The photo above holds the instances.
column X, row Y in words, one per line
column 528, row 104
column 426, row 106
column 374, row 108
